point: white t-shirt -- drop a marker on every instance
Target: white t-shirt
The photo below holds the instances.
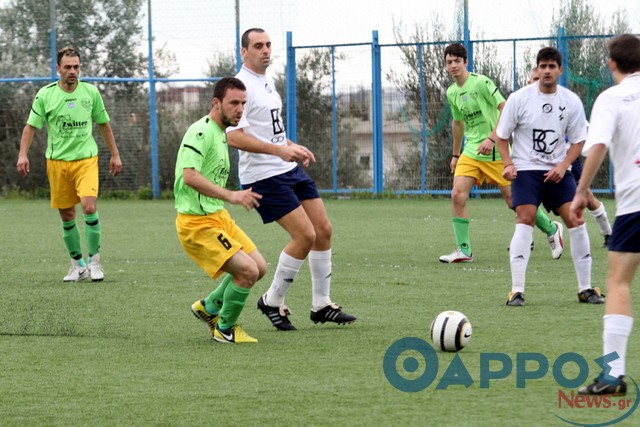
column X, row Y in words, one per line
column 615, row 122
column 261, row 119
column 540, row 124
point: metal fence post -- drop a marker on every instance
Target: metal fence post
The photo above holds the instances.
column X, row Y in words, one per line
column 290, row 72
column 564, row 51
column 376, row 106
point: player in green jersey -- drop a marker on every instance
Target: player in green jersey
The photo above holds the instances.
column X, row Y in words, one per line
column 69, row 107
column 476, row 104
column 208, row 234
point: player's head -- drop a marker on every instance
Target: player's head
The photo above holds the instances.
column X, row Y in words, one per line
column 68, row 65
column 549, row 65
column 256, row 50
column 533, row 76
column 455, row 59
column 624, row 50
column 229, row 97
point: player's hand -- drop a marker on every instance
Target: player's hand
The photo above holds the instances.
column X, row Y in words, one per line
column 486, row 147
column 297, row 153
column 115, row 165
column 555, row 175
column 510, row 172
column 23, row 166
column 452, row 165
column 246, row 198
column 576, row 211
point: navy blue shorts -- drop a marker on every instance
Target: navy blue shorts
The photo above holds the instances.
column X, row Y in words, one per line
column 529, row 188
column 625, row 236
column 283, row 193
column 576, row 169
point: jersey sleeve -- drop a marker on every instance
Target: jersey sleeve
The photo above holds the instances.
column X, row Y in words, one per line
column 455, row 112
column 491, row 92
column 193, row 149
column 508, row 118
column 37, row 113
column 603, row 122
column 99, row 112
column 577, row 127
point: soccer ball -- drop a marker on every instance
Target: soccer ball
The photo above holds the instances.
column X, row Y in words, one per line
column 451, row 331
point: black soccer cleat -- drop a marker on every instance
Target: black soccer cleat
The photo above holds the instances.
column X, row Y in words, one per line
column 279, row 316
column 617, row 387
column 591, row 296
column 332, row 313
column 515, row 299
column 605, row 243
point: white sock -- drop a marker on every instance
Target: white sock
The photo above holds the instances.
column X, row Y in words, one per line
column 617, row 328
column 320, row 267
column 601, row 217
column 519, row 252
column 286, row 272
column 581, row 253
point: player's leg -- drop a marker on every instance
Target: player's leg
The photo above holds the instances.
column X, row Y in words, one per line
column 322, row 308
column 85, row 174
column 599, row 213
column 520, row 252
column 64, row 198
column 624, row 258
column 462, row 186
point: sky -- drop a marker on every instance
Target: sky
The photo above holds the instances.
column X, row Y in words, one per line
column 195, row 29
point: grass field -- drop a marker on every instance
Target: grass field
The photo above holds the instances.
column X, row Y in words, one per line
column 128, row 351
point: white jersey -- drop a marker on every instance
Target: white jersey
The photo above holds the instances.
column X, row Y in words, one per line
column 615, row 122
column 262, row 120
column 540, row 124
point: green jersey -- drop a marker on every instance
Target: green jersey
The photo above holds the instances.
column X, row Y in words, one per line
column 476, row 102
column 69, row 120
column 203, row 148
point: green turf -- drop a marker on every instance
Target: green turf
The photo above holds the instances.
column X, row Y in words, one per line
column 129, row 352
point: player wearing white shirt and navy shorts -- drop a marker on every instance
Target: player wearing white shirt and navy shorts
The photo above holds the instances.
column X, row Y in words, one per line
column 268, row 165
column 539, row 117
column 615, row 126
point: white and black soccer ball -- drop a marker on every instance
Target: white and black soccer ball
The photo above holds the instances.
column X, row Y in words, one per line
column 451, row 331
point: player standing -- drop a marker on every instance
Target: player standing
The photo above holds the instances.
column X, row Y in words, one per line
column 68, row 107
column 539, row 118
column 615, row 126
column 268, row 164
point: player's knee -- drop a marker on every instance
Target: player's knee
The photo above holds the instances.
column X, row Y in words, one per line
column 248, row 276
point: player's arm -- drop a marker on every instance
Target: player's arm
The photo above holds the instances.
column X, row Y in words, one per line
column 115, row 164
column 595, row 157
column 457, row 130
column 557, row 173
column 490, row 141
column 202, row 185
column 291, row 152
column 23, row 155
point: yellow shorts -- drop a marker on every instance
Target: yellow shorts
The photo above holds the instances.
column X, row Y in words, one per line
column 211, row 240
column 69, row 181
column 489, row 172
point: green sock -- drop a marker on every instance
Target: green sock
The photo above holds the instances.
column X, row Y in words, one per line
column 92, row 233
column 461, row 231
column 71, row 237
column 234, row 301
column 213, row 303
column 544, row 223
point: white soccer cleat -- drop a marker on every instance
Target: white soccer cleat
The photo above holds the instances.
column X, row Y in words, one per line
column 556, row 242
column 95, row 269
column 456, row 256
column 76, row 272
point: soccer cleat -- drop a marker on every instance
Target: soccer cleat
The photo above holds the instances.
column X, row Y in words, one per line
column 211, row 320
column 76, row 272
column 515, row 299
column 279, row 316
column 95, row 269
column 591, row 296
column 456, row 256
column 556, row 242
column 618, row 387
column 605, row 243
column 332, row 313
column 233, row 335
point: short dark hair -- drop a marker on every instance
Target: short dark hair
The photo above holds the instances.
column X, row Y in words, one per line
column 549, row 54
column 67, row 51
column 625, row 50
column 244, row 42
column 221, row 87
column 455, row 49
